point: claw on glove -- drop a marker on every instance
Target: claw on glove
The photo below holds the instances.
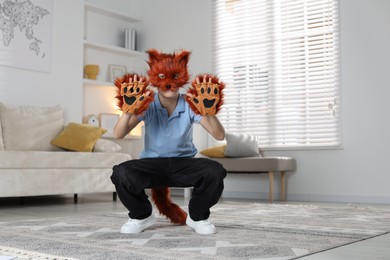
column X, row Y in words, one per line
column 206, row 96
column 133, row 96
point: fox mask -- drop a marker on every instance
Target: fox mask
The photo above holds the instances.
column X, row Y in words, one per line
column 168, row 71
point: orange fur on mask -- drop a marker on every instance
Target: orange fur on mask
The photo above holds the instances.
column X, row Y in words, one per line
column 168, row 71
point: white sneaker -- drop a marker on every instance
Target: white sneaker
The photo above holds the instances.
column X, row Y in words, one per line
column 203, row 227
column 135, row 226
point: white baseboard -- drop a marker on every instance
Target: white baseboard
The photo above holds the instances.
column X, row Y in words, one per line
column 247, row 195
column 340, row 198
column 309, row 197
column 263, row 196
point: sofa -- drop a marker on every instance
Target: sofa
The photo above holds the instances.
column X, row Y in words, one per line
column 34, row 162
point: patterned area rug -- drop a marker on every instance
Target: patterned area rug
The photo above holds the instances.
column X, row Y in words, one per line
column 245, row 231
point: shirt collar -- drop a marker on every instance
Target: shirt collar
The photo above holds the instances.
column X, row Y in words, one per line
column 180, row 107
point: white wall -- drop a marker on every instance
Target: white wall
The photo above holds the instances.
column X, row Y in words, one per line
column 63, row 85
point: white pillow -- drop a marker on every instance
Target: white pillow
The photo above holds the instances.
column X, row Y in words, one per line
column 106, row 146
column 241, row 145
column 30, row 128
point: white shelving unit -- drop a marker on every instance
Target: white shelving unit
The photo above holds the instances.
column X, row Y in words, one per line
column 92, row 82
column 100, row 52
column 112, row 49
column 104, row 45
column 111, row 13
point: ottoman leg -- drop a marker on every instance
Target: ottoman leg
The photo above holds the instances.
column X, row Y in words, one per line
column 282, row 185
column 271, row 186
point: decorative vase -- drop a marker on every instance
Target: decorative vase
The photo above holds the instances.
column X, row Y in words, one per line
column 91, row 71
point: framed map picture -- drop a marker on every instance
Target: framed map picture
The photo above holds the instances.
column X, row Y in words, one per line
column 26, row 27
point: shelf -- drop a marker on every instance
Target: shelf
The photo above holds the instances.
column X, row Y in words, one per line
column 97, row 82
column 110, row 136
column 111, row 13
column 112, row 49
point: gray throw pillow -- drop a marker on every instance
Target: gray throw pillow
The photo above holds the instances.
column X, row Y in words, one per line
column 241, row 145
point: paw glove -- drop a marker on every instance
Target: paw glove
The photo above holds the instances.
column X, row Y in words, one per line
column 205, row 97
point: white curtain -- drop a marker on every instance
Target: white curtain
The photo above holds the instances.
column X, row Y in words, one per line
column 280, row 62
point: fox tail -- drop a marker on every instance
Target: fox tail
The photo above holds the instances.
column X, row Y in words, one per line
column 161, row 197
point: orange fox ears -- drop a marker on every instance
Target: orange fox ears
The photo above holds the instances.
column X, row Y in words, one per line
column 182, row 56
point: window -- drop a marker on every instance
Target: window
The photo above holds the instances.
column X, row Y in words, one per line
column 280, row 62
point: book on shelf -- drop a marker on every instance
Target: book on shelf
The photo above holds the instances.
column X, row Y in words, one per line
column 130, row 39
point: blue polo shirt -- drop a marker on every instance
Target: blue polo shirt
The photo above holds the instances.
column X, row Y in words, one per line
column 169, row 136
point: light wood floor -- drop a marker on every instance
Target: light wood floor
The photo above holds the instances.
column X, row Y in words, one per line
column 52, row 206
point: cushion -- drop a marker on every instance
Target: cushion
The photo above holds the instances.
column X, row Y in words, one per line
column 50, row 162
column 215, row 151
column 106, row 146
column 241, row 145
column 257, row 164
column 30, row 128
column 78, row 137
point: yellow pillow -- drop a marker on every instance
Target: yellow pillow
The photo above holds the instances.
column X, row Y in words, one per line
column 78, row 137
column 216, row 151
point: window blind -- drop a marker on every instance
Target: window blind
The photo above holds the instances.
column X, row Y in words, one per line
column 280, row 62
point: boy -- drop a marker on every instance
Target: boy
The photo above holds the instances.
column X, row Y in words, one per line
column 168, row 158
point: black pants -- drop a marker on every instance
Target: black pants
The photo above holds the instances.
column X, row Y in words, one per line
column 131, row 178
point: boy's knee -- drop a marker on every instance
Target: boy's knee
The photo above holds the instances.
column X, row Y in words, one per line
column 118, row 173
column 217, row 171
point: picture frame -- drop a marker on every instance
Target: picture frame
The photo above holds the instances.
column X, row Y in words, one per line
column 108, row 121
column 116, row 71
